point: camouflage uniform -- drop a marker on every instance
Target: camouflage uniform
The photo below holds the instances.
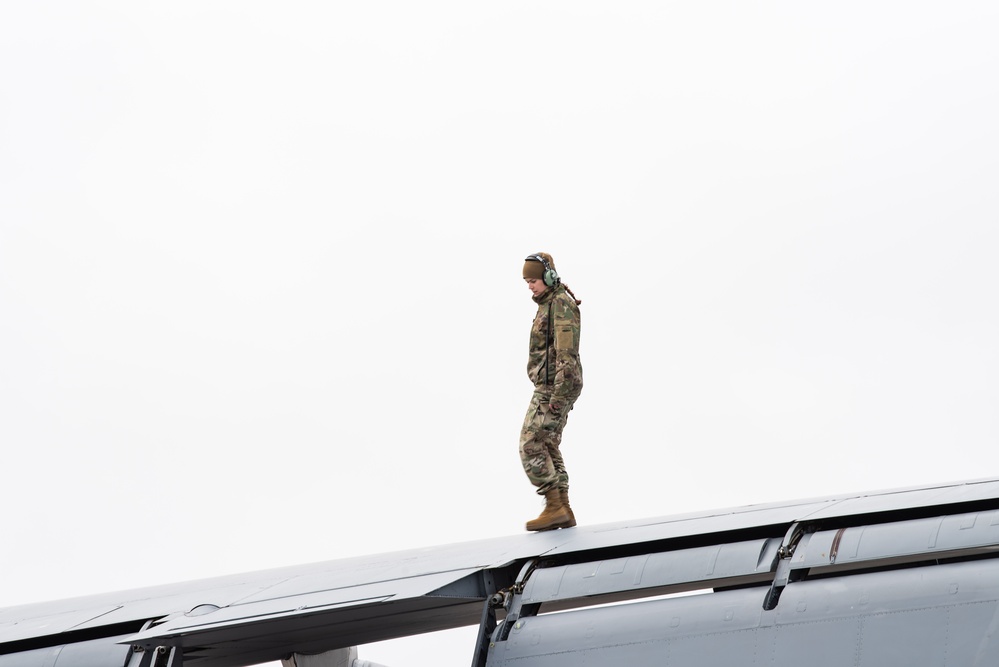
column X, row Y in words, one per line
column 553, row 365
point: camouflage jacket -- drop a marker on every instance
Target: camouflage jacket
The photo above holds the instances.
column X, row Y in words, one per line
column 554, row 348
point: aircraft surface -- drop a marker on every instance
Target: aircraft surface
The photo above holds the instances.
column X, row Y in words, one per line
column 897, row 577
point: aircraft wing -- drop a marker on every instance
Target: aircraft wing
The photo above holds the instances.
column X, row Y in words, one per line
column 257, row 617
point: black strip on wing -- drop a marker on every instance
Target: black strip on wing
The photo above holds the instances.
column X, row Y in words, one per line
column 72, row 637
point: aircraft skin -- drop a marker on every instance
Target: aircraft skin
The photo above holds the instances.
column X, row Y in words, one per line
column 900, row 577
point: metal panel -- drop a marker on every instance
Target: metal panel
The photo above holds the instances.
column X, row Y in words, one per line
column 667, row 528
column 51, row 622
column 158, row 601
column 920, row 538
column 817, row 643
column 653, row 632
column 703, row 565
column 726, row 647
column 910, row 498
column 933, row 615
column 973, row 634
column 913, row 637
column 259, row 610
column 97, row 653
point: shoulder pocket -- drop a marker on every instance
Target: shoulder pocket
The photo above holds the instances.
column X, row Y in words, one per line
column 563, row 338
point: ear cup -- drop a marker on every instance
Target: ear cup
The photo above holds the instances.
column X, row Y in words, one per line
column 550, row 277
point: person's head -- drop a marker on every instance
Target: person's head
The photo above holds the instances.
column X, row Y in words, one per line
column 539, row 273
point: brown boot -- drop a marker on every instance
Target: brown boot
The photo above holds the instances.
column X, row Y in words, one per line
column 565, row 503
column 555, row 515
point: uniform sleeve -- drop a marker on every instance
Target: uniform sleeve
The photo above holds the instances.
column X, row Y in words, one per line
column 566, row 329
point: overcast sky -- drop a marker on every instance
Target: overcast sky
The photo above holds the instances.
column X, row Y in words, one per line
column 260, row 290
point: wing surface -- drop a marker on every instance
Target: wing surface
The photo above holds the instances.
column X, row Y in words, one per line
column 256, row 617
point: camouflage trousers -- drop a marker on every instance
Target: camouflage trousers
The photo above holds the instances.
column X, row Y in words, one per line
column 540, row 439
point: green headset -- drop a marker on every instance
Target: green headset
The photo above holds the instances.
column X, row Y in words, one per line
column 551, row 275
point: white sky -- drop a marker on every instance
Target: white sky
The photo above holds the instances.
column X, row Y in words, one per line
column 260, row 294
